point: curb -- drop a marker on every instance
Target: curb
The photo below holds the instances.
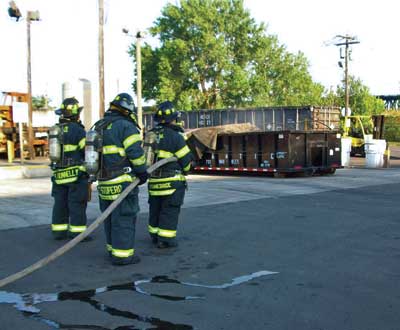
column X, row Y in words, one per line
column 25, row 172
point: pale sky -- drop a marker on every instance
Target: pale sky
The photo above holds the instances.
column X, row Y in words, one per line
column 64, row 42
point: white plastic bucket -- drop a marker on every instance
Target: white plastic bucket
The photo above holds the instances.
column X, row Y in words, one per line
column 374, row 152
column 345, row 151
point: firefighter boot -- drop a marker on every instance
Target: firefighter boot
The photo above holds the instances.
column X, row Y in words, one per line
column 133, row 260
column 166, row 245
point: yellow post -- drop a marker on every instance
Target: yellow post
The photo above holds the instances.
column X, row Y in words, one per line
column 386, row 158
column 10, row 151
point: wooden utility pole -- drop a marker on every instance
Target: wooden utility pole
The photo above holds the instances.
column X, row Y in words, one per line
column 346, row 41
column 29, row 82
column 139, row 79
column 101, row 59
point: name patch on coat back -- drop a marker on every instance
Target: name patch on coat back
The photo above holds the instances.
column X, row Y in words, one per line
column 66, row 174
column 109, row 190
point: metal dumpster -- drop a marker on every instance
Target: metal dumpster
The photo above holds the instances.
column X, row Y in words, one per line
column 280, row 152
column 265, row 118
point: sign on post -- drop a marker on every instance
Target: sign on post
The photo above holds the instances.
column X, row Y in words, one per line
column 20, row 112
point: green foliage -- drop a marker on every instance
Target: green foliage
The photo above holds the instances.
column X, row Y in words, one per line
column 212, row 54
column 392, row 126
column 361, row 102
column 40, row 102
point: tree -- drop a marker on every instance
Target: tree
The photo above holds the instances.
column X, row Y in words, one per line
column 40, row 102
column 361, row 101
column 212, row 54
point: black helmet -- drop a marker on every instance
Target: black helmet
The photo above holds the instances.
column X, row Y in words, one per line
column 69, row 108
column 124, row 101
column 166, row 113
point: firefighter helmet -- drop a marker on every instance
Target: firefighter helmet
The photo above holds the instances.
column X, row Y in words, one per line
column 166, row 113
column 69, row 108
column 124, row 101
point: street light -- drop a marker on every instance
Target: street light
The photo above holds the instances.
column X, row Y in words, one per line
column 14, row 12
column 139, row 36
column 30, row 16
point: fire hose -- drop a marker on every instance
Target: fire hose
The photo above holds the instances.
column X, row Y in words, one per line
column 60, row 251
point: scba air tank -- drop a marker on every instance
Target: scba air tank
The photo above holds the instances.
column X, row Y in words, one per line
column 149, row 147
column 91, row 153
column 55, row 143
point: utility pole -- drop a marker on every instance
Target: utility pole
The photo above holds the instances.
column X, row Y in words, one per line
column 29, row 82
column 101, row 58
column 139, row 36
column 346, row 41
column 30, row 16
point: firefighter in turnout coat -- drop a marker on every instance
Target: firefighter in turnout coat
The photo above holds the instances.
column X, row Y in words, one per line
column 70, row 180
column 167, row 185
column 122, row 160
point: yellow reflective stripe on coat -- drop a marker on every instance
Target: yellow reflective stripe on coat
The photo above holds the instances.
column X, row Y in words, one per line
column 81, row 143
column 59, row 227
column 118, row 179
column 177, row 177
column 77, row 229
column 108, row 247
column 161, row 192
column 108, row 198
column 182, row 152
column 186, row 168
column 184, row 136
column 110, row 150
column 64, row 181
column 122, row 253
column 138, row 161
column 153, row 230
column 70, row 147
column 164, row 154
column 131, row 140
column 166, row 233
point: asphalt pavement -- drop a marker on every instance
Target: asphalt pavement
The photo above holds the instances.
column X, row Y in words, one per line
column 254, row 253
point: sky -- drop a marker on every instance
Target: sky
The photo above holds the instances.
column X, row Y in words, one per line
column 64, row 44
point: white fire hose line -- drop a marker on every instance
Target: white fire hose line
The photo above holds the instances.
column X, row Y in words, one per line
column 41, row 263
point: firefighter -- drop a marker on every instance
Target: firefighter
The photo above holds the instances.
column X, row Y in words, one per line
column 122, row 159
column 167, row 185
column 70, row 180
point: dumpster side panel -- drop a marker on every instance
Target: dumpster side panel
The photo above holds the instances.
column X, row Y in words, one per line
column 237, row 143
column 334, row 150
column 316, row 149
column 221, row 156
column 252, row 149
column 297, row 156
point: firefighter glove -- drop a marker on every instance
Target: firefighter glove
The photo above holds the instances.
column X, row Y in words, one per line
column 142, row 177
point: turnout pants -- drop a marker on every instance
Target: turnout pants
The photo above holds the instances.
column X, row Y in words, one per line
column 69, row 210
column 120, row 226
column 164, row 215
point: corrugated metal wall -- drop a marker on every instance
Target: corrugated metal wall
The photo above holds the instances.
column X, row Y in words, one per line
column 267, row 119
